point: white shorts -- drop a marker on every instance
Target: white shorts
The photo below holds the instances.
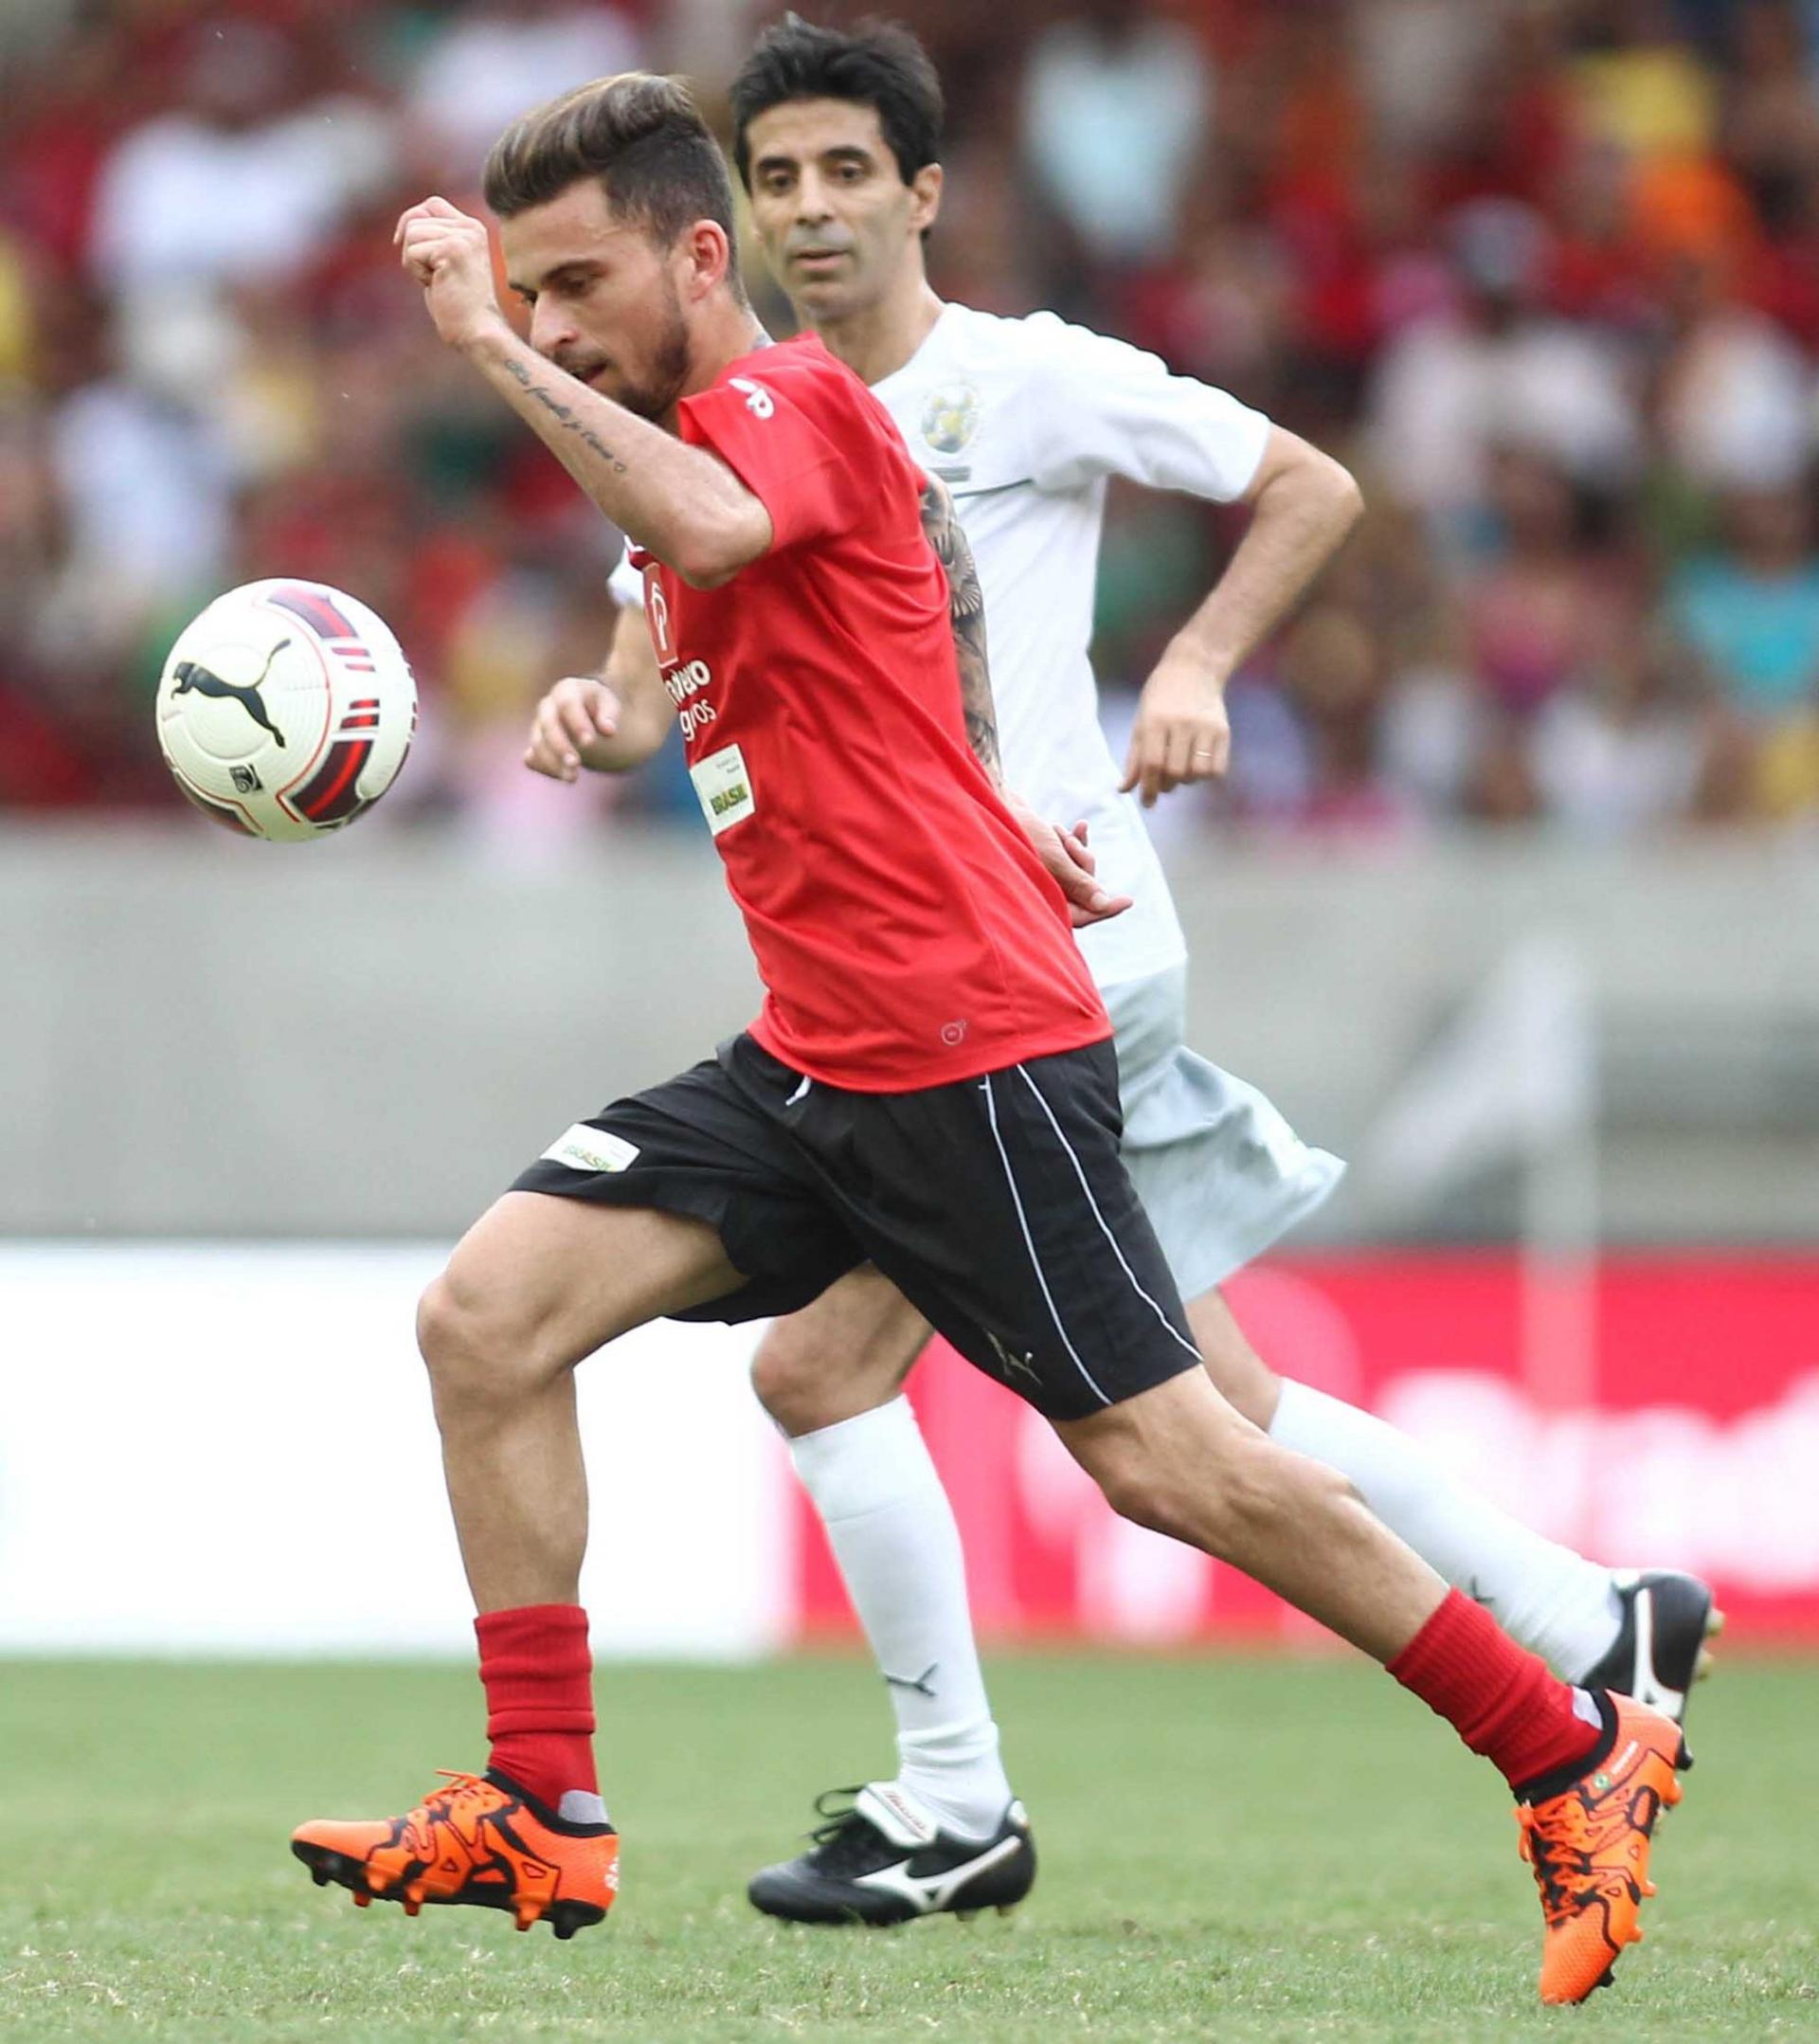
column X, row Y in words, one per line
column 1220, row 1173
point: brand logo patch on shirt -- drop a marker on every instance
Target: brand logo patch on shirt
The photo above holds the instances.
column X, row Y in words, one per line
column 724, row 787
column 584, row 1148
column 657, row 611
column 950, row 417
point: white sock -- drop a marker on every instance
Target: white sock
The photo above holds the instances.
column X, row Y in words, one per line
column 893, row 1535
column 1552, row 1600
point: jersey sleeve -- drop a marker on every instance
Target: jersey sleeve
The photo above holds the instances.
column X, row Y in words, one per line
column 782, row 443
column 1103, row 408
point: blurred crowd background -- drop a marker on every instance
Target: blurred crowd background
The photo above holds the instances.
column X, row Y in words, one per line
column 1545, row 272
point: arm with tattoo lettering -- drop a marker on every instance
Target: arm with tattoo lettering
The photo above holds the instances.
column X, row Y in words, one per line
column 967, row 614
column 1063, row 853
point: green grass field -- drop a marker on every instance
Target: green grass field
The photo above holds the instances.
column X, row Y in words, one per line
column 1231, row 1849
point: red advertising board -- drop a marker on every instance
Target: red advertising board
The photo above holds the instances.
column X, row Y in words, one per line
column 1684, row 1434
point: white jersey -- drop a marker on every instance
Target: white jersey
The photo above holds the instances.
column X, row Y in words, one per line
column 1024, row 420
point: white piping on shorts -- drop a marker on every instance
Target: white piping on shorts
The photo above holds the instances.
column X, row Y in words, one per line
column 1036, row 1261
column 1080, row 1173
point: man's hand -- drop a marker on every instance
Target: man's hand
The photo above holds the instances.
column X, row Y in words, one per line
column 1182, row 732
column 1069, row 865
column 447, row 251
column 569, row 720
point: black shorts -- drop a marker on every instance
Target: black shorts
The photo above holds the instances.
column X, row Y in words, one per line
column 998, row 1205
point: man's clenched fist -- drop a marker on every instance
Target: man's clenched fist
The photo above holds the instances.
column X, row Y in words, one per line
column 447, row 251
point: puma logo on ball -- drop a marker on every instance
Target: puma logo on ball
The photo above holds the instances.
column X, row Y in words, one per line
column 205, row 681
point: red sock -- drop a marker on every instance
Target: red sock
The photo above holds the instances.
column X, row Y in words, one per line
column 1503, row 1701
column 538, row 1675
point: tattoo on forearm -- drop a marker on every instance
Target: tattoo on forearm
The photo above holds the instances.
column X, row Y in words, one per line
column 563, row 414
column 967, row 614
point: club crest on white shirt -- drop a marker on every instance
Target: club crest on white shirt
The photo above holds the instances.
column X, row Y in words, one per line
column 950, row 417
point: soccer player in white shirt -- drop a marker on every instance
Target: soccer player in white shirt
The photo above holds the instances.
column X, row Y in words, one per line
column 1025, row 420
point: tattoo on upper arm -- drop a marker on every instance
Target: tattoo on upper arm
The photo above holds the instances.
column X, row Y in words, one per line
column 563, row 414
column 966, row 613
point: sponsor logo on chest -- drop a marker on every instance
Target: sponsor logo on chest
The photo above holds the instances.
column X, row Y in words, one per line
column 683, row 683
column 683, row 680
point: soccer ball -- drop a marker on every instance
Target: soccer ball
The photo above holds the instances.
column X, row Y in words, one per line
column 286, row 709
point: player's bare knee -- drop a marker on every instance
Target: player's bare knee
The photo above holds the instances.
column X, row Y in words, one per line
column 474, row 1355
column 445, row 1335
column 1211, row 1488
column 1216, row 1518
column 813, row 1371
column 800, row 1385
column 1137, row 1486
column 1141, row 1499
column 784, row 1373
column 1263, row 1485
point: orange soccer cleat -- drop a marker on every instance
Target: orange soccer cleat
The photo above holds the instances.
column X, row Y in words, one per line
column 479, row 1840
column 1588, row 1842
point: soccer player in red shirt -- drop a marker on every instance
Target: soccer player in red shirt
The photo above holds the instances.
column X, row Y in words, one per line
column 929, row 1086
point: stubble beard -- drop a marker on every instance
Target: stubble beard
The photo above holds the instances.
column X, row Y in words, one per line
column 654, row 395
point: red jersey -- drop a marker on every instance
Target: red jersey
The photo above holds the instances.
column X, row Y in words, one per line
column 905, row 931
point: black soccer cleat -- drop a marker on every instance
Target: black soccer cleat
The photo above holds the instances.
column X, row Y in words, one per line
column 883, row 1859
column 1660, row 1651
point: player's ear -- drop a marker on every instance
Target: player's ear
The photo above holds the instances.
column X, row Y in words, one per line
column 708, row 256
column 925, row 197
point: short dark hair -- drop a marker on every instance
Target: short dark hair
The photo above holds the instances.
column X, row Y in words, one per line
column 642, row 137
column 878, row 63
